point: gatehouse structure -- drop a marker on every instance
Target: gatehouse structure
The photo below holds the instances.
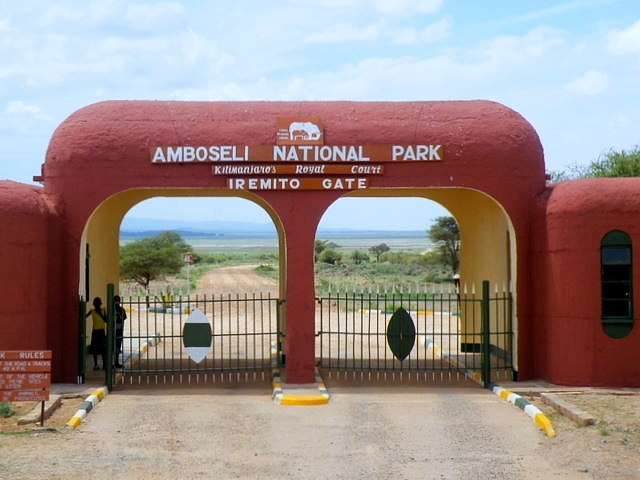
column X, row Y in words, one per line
column 564, row 252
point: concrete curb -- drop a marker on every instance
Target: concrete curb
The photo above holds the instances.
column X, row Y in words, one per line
column 34, row 416
column 99, row 394
column 573, row 413
column 90, row 402
column 534, row 412
column 306, row 394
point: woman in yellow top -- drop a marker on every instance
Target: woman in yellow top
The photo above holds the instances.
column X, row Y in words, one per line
column 98, row 333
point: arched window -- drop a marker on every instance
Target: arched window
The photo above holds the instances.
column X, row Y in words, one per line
column 617, row 284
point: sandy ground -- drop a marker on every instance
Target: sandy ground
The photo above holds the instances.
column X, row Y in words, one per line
column 240, row 278
column 432, row 430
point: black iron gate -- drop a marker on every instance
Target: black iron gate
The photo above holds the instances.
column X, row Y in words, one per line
column 423, row 332
column 197, row 338
column 203, row 337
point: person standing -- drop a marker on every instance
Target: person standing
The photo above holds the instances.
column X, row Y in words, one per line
column 121, row 316
column 98, row 344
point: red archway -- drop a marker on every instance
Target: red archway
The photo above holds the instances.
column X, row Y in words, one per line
column 104, row 156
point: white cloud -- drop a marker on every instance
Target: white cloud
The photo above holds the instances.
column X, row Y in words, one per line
column 625, row 41
column 431, row 33
column 409, row 35
column 591, row 83
column 386, row 7
column 17, row 107
column 535, row 43
column 345, row 32
column 396, row 7
column 112, row 15
column 20, row 118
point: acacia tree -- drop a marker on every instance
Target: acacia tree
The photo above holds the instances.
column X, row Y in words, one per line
column 152, row 258
column 446, row 235
column 378, row 250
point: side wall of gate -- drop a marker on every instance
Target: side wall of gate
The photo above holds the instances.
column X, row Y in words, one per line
column 572, row 219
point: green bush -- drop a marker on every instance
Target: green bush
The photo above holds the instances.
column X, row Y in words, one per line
column 330, row 256
column 6, row 411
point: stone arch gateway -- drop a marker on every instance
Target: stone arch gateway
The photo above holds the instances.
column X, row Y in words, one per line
column 479, row 159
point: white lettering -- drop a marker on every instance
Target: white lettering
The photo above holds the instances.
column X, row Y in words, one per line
column 396, row 151
column 292, row 155
column 31, row 355
column 188, row 154
column 325, row 153
column 366, row 169
column 419, row 152
column 202, row 154
column 279, row 152
column 309, row 169
column 174, row 155
column 158, row 156
column 236, row 183
column 343, row 183
column 433, row 152
column 305, row 152
column 265, row 183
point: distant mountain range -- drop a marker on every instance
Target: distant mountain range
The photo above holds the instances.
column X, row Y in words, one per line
column 138, row 226
column 142, row 227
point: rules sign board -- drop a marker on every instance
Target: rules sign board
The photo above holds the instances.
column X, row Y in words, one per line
column 25, row 375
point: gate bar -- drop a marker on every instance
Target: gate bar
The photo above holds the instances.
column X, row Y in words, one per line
column 486, row 344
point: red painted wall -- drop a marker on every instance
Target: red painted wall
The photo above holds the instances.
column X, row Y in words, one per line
column 103, row 149
column 571, row 348
column 24, row 256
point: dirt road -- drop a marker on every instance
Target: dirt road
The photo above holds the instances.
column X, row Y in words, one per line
column 236, row 279
column 441, row 432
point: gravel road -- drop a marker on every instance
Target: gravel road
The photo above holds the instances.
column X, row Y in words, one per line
column 236, row 431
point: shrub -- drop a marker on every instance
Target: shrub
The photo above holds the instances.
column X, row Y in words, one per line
column 6, row 411
column 330, row 256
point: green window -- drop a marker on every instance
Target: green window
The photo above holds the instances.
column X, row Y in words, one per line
column 616, row 284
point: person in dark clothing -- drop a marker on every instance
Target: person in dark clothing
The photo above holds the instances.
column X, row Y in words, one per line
column 98, row 344
column 120, row 317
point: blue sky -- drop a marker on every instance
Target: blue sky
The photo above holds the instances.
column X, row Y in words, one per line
column 571, row 68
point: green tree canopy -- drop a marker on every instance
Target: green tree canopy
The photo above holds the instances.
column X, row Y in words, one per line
column 612, row 164
column 378, row 250
column 152, row 258
column 446, row 235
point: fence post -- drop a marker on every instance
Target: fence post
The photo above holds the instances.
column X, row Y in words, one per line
column 486, row 345
column 82, row 338
column 111, row 325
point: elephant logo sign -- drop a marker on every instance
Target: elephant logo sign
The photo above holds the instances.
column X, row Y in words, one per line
column 299, row 131
column 304, row 131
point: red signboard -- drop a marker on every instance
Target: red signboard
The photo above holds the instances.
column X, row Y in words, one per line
column 24, row 395
column 25, row 355
column 25, row 375
column 18, row 381
column 10, row 366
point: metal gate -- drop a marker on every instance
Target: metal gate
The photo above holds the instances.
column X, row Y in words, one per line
column 203, row 337
column 428, row 332
column 197, row 338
